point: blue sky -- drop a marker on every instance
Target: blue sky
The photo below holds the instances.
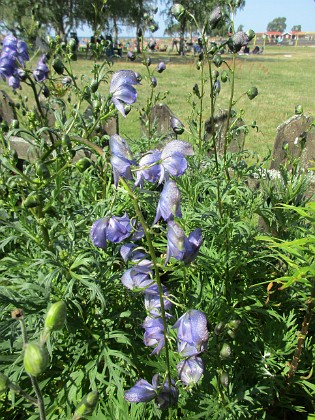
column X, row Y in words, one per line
column 255, row 15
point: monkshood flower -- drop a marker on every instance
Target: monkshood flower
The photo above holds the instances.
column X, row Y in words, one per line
column 154, row 333
column 176, row 125
column 122, row 90
column 157, row 165
column 169, row 203
column 130, row 252
column 154, row 82
column 215, row 17
column 131, row 56
column 22, row 52
column 41, row 71
column 161, row 67
column 152, row 301
column 7, row 66
column 216, row 87
column 190, row 370
column 237, row 41
column 9, row 42
column 168, row 396
column 14, row 81
column 138, row 277
column 179, row 246
column 113, row 229
column 142, row 391
column 164, row 395
column 192, row 333
column 121, row 158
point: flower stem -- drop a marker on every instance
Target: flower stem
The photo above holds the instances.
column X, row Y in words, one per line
column 156, row 272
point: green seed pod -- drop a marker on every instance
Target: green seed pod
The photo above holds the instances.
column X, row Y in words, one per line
column 15, row 124
column 224, row 379
column 178, row 11
column 215, row 74
column 83, row 164
column 224, row 76
column 298, row 109
column 217, row 60
column 36, row 359
column 252, row 92
column 219, row 328
column 94, row 86
column 42, row 171
column 234, row 324
column 4, row 383
column 30, row 202
column 226, row 351
column 231, row 333
column 56, row 316
column 250, row 34
column 58, row 66
column 87, row 405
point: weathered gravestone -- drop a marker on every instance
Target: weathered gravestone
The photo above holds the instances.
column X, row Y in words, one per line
column 160, row 120
column 218, row 128
column 295, row 138
column 7, row 109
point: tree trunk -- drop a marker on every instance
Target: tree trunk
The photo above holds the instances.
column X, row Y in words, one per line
column 115, row 30
column 182, row 37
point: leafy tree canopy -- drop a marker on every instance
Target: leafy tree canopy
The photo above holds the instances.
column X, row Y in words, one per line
column 278, row 24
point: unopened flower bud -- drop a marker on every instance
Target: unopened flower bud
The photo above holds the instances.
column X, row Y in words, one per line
column 217, row 60
column 58, row 66
column 131, row 56
column 86, row 406
column 56, row 316
column 4, row 383
column 250, row 34
column 36, row 359
column 226, row 351
column 299, row 109
column 178, row 11
column 224, row 379
column 215, row 17
column 224, row 76
column 176, row 125
column 252, row 92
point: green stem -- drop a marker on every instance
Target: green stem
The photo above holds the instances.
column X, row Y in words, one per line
column 15, row 388
column 156, row 271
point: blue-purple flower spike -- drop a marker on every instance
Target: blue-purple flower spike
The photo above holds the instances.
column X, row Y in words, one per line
column 138, row 277
column 122, row 90
column 113, row 229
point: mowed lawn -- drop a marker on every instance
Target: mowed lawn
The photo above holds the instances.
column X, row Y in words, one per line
column 283, row 76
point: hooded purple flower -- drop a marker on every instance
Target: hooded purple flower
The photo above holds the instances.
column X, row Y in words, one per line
column 161, row 67
column 190, row 370
column 139, row 276
column 14, row 81
column 152, row 301
column 169, row 203
column 179, row 246
column 41, row 71
column 154, row 82
column 157, row 165
column 168, row 396
column 122, row 90
column 113, row 229
column 192, row 333
column 9, row 42
column 7, row 66
column 121, row 158
column 154, row 333
column 142, row 391
column 22, row 52
column 176, row 125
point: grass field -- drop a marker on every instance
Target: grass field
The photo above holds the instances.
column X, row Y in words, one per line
column 283, row 76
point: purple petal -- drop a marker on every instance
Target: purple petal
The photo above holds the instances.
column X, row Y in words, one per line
column 123, row 77
column 177, row 146
column 175, row 164
column 142, row 391
column 119, row 106
column 119, row 228
column 190, row 370
column 169, row 203
column 98, row 232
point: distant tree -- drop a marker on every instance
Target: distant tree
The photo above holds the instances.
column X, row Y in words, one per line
column 278, row 24
column 296, row 28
